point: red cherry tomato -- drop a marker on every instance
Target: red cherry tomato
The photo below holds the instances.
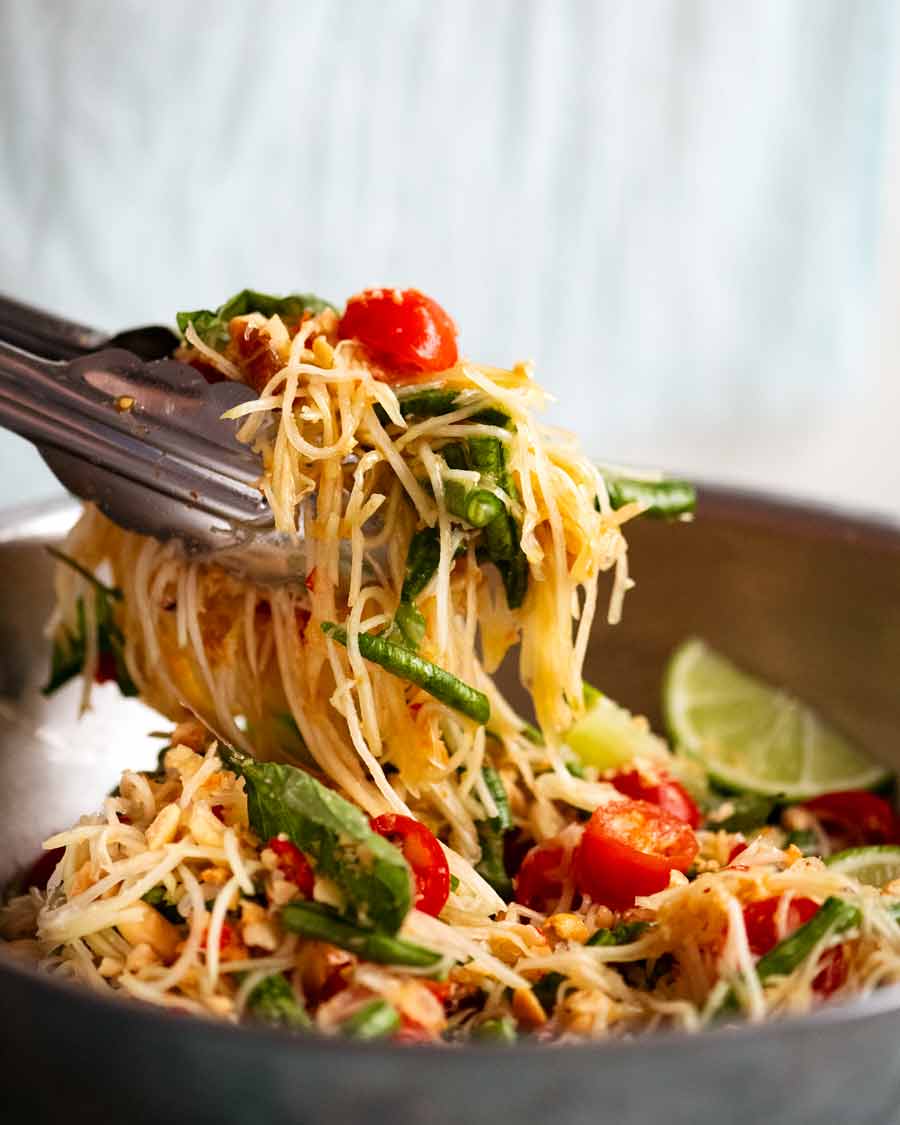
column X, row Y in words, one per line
column 539, row 883
column 759, row 921
column 402, row 328
column 423, row 854
column 855, row 817
column 294, row 865
column 671, row 796
column 762, row 935
column 629, row 848
column 226, row 937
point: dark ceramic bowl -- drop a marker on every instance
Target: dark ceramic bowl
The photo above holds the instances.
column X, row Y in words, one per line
column 808, row 598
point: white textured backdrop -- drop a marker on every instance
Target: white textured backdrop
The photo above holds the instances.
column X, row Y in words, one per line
column 679, row 208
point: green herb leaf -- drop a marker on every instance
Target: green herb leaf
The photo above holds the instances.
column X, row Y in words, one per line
column 332, row 832
column 399, row 661
column 322, row 923
column 273, row 1001
column 212, row 327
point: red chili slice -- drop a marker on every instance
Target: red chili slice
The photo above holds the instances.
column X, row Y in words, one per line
column 424, row 855
column 630, row 848
column 293, row 865
column 402, row 328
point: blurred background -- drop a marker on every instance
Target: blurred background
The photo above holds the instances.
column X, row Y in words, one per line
column 687, row 212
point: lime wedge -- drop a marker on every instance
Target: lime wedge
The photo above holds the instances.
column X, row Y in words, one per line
column 873, row 866
column 751, row 737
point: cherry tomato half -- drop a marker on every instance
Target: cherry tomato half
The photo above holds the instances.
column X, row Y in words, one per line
column 402, row 328
column 629, row 848
column 423, row 854
column 668, row 795
column 294, row 865
column 539, row 883
column 855, row 818
column 762, row 935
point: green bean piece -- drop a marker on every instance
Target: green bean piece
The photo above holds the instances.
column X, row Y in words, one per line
column 515, row 577
column 497, row 790
column 427, row 403
column 422, row 560
column 437, row 681
column 491, row 416
column 622, row 934
column 501, row 536
column 546, row 990
column 477, row 506
column 501, row 1030
column 834, row 916
column 408, row 628
column 456, row 455
column 373, row 1020
column 274, row 1001
column 665, row 499
column 322, row 923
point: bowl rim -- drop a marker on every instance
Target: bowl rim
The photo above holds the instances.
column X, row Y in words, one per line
column 45, row 520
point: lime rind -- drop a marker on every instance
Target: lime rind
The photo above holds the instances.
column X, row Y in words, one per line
column 874, row 866
column 752, row 737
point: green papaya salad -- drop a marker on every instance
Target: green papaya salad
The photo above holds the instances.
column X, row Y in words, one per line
column 350, row 830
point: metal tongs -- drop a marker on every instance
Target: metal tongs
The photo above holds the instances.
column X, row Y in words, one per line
column 141, row 436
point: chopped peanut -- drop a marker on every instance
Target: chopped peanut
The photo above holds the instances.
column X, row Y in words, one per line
column 110, row 967
column 140, row 957
column 190, row 733
column 215, row 876
column 527, row 1008
column 152, row 930
column 565, row 927
column 205, row 826
column 256, row 928
column 513, row 941
column 163, row 829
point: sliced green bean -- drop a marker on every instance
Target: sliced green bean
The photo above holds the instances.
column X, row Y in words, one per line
column 477, row 506
column 622, row 934
column 274, row 1001
column 502, row 1030
column 374, row 1020
column 834, row 916
column 497, row 790
column 422, row 560
column 409, row 627
column 437, row 681
column 322, row 923
column 665, row 499
column 427, row 403
column 491, row 416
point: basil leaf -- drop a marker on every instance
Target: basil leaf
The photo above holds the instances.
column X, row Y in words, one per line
column 212, row 327
column 334, row 834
